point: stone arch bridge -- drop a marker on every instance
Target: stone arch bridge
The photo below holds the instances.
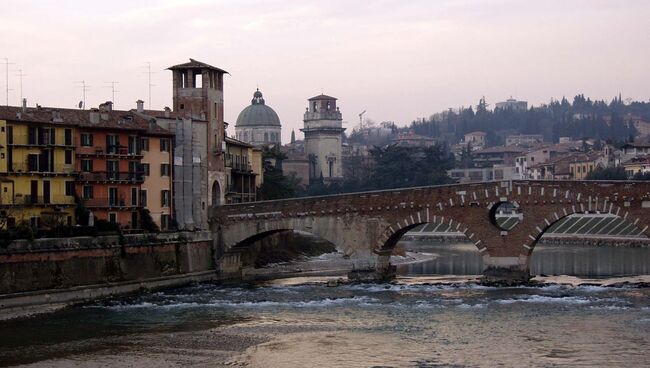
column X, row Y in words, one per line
column 367, row 225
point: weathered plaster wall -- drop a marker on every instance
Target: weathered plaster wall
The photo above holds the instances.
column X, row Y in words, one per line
column 64, row 263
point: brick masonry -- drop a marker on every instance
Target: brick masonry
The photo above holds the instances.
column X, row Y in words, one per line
column 367, row 225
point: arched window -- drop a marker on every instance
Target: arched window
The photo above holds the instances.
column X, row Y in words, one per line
column 266, row 137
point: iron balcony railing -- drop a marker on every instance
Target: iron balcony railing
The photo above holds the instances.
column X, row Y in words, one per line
column 110, row 202
column 27, row 199
column 39, row 167
column 239, row 166
column 37, row 140
column 134, row 177
column 114, row 150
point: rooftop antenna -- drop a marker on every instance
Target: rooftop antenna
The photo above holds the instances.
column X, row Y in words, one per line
column 149, row 72
column 361, row 119
column 84, row 87
column 7, row 63
column 21, row 75
column 112, row 87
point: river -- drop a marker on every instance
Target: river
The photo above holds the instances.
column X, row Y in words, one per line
column 418, row 321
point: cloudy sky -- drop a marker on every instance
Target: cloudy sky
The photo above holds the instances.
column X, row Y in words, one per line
column 399, row 60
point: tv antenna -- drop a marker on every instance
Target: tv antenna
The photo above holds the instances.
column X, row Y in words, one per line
column 21, row 75
column 149, row 72
column 113, row 90
column 361, row 119
column 7, row 63
column 84, row 87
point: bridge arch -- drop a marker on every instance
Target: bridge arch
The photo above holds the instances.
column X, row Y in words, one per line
column 552, row 218
column 394, row 232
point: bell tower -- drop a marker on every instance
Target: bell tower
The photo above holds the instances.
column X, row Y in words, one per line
column 198, row 93
column 323, row 135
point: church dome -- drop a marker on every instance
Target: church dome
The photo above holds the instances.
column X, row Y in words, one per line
column 257, row 114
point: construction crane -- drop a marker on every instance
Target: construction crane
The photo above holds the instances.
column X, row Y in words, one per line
column 361, row 119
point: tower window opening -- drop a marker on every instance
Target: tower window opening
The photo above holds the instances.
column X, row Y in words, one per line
column 328, row 105
column 183, row 80
column 182, row 106
column 198, row 80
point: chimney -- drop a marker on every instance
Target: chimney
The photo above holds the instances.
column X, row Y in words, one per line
column 140, row 105
column 94, row 116
column 106, row 106
column 167, row 111
column 24, row 105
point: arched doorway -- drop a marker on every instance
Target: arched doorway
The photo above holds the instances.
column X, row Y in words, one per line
column 216, row 194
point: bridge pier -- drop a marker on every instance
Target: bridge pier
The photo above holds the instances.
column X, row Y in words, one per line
column 505, row 270
column 377, row 270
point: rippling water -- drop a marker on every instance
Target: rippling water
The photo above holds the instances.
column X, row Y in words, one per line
column 399, row 325
column 411, row 323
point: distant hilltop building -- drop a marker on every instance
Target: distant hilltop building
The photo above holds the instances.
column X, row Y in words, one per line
column 512, row 104
column 258, row 124
column 323, row 135
column 524, row 139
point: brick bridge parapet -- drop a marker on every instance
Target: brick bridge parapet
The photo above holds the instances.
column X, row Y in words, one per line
column 367, row 225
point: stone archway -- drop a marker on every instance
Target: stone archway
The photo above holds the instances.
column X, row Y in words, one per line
column 216, row 193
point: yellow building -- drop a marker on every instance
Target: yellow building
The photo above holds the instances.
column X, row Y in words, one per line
column 583, row 164
column 243, row 171
column 37, row 168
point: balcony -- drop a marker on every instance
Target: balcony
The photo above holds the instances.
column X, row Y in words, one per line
column 118, row 151
column 29, row 200
column 35, row 168
column 112, row 177
column 110, row 203
column 45, row 140
column 241, row 167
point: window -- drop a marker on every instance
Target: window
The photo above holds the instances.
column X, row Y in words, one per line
column 112, row 196
column 88, row 191
column 164, row 145
column 112, row 144
column 32, row 162
column 133, row 145
column 86, row 140
column 164, row 198
column 145, row 169
column 68, row 157
column 133, row 170
column 87, row 165
column 143, row 198
column 134, row 196
column 69, row 188
column 144, row 144
column 68, row 137
column 34, row 221
column 182, row 106
column 112, row 217
column 164, row 170
column 164, row 221
column 112, row 169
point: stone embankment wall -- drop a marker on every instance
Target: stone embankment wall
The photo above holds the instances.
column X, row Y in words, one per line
column 45, row 264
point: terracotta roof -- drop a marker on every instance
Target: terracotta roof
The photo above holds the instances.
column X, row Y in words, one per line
column 638, row 144
column 195, row 64
column 322, row 97
column 476, row 133
column 113, row 119
column 502, row 149
column 237, row 142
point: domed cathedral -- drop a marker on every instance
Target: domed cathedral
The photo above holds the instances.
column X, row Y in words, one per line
column 323, row 135
column 258, row 124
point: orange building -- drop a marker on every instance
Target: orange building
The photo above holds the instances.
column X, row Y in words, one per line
column 109, row 161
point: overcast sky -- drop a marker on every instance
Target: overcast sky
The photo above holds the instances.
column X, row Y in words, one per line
column 399, row 60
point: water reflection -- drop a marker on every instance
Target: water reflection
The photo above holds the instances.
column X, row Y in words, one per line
column 584, row 261
column 589, row 261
